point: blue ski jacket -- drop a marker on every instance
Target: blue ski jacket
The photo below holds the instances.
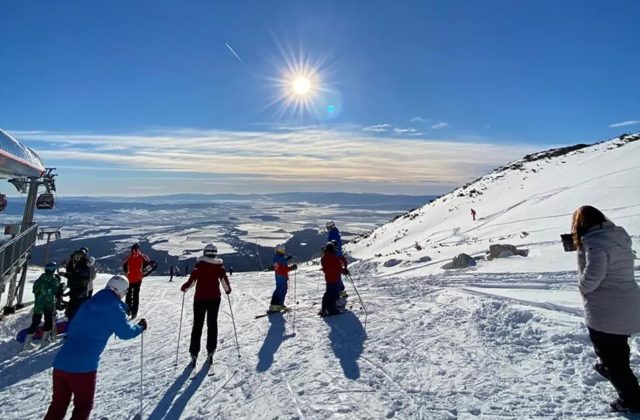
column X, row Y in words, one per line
column 334, row 236
column 281, row 267
column 99, row 317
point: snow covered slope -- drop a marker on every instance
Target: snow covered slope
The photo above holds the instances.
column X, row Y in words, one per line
column 527, row 203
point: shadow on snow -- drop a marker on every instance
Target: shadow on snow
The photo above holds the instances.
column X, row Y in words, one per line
column 164, row 405
column 347, row 341
column 273, row 340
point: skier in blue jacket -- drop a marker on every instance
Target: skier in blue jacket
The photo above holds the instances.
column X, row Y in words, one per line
column 76, row 364
column 334, row 237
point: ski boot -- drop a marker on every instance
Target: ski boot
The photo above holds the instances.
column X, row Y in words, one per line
column 44, row 342
column 274, row 308
column 27, row 343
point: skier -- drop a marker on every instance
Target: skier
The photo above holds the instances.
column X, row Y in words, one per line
column 281, row 268
column 132, row 266
column 473, row 214
column 611, row 299
column 76, row 364
column 207, row 274
column 332, row 265
column 45, row 290
column 171, row 273
column 78, row 277
column 334, row 237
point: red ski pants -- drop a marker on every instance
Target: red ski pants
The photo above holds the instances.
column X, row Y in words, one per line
column 65, row 384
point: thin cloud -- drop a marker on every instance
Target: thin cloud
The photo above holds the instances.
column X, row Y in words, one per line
column 378, row 128
column 418, row 120
column 440, row 125
column 252, row 161
column 398, row 130
column 234, row 53
column 625, row 123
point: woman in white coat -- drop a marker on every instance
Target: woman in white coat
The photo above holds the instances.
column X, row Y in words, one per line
column 611, row 299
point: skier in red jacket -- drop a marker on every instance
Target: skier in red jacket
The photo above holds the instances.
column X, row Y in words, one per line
column 133, row 266
column 333, row 266
column 207, row 274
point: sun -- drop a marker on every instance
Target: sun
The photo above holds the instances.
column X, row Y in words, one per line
column 301, row 86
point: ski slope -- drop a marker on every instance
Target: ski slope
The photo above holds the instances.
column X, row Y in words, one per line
column 503, row 340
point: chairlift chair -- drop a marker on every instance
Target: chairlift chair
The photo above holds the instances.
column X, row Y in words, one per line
column 46, row 201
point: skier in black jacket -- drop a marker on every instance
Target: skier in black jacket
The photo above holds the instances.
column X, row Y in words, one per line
column 78, row 275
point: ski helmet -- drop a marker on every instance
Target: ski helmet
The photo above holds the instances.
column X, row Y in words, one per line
column 330, row 246
column 280, row 249
column 51, row 267
column 118, row 284
column 330, row 225
column 210, row 250
column 84, row 250
column 135, row 246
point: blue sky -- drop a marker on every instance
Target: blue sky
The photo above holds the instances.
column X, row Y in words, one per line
column 147, row 92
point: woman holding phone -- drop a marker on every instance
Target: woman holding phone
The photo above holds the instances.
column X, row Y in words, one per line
column 611, row 299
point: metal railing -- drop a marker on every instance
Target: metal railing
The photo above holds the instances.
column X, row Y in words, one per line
column 13, row 253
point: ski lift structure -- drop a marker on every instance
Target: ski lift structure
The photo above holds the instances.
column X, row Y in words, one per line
column 47, row 200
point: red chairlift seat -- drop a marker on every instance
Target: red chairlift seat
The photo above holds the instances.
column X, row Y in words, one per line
column 46, row 201
column 3, row 202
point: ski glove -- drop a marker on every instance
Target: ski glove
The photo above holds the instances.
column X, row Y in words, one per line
column 294, row 267
column 184, row 288
column 289, row 257
column 345, row 272
column 143, row 324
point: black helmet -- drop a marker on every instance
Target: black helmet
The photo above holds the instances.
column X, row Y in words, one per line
column 84, row 249
column 135, row 246
column 330, row 246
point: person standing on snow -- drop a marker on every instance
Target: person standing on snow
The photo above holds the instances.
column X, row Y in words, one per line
column 281, row 268
column 207, row 274
column 334, row 236
column 133, row 266
column 45, row 290
column 473, row 214
column 171, row 273
column 611, row 299
column 76, row 364
column 332, row 266
column 78, row 276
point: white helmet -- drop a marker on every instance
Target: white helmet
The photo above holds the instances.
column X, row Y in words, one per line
column 210, row 250
column 118, row 284
column 280, row 249
column 330, row 225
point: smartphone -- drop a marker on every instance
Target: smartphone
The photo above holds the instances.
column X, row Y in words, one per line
column 567, row 242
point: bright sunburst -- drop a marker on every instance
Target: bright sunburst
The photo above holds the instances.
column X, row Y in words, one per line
column 299, row 85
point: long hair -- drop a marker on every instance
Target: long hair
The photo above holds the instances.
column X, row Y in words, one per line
column 585, row 218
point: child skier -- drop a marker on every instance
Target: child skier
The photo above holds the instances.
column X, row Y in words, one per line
column 332, row 265
column 76, row 364
column 78, row 274
column 207, row 274
column 133, row 266
column 281, row 268
column 45, row 290
column 334, row 237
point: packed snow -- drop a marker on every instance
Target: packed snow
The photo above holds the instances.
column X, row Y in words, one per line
column 503, row 339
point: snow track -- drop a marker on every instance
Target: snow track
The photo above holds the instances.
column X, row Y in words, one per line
column 464, row 345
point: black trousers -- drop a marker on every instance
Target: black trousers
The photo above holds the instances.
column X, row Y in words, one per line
column 613, row 351
column 202, row 308
column 35, row 322
column 73, row 306
column 330, row 297
column 133, row 298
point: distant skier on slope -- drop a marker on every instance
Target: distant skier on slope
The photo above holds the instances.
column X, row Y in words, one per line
column 332, row 266
column 208, row 273
column 281, row 268
column 45, row 290
column 132, row 266
column 171, row 272
column 473, row 214
column 76, row 364
column 611, row 299
column 334, row 236
column 78, row 276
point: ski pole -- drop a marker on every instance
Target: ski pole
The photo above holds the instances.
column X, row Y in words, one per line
column 364, row 308
column 295, row 299
column 141, row 369
column 234, row 325
column 180, row 327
